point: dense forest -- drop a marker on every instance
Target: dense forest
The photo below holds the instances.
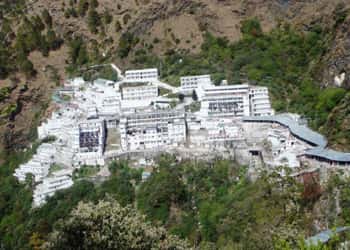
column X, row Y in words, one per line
column 210, row 205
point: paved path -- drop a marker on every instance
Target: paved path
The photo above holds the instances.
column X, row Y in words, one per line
column 120, row 73
column 166, row 86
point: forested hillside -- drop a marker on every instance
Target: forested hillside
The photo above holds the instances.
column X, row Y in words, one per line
column 209, row 205
column 301, row 56
column 299, row 49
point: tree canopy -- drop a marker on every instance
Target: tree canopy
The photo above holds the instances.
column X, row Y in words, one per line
column 107, row 225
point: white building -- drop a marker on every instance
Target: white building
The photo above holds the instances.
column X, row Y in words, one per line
column 225, row 101
column 234, row 101
column 142, row 75
column 76, row 82
column 59, row 123
column 39, row 165
column 59, row 180
column 88, row 141
column 152, row 129
column 260, row 101
column 138, row 91
column 215, row 132
column 190, row 83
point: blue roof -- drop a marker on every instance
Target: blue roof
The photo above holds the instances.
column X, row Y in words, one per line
column 301, row 131
column 328, row 154
column 324, row 236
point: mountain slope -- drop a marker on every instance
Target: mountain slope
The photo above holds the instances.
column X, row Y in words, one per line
column 159, row 26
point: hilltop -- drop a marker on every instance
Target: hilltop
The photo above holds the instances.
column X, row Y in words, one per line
column 130, row 32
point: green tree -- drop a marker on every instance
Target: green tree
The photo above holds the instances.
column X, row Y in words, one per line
column 118, row 26
column 126, row 43
column 159, row 192
column 107, row 225
column 83, row 7
column 78, row 52
column 93, row 4
column 52, row 40
column 45, row 15
column 251, row 27
column 26, row 66
column 107, row 17
column 93, row 20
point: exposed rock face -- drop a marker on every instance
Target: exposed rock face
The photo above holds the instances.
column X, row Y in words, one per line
column 337, row 60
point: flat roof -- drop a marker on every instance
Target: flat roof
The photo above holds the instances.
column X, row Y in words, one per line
column 195, row 76
column 141, row 70
column 102, row 81
column 135, row 84
column 328, row 154
column 301, row 131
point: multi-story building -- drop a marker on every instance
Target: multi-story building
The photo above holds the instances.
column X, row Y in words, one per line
column 58, row 181
column 138, row 91
column 88, row 141
column 142, row 75
column 39, row 165
column 225, row 101
column 190, row 83
column 152, row 129
column 234, row 101
column 260, row 101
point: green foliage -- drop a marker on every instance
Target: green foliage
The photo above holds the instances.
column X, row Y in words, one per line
column 93, row 20
column 284, row 60
column 77, row 52
column 107, row 225
column 126, row 43
column 26, row 66
column 83, row 7
column 18, row 222
column 45, row 15
column 93, row 4
column 5, row 66
column 327, row 100
column 220, row 206
column 107, row 17
column 118, row 26
column 251, row 27
column 4, row 93
column 30, row 35
column 53, row 42
column 162, row 190
column 126, row 18
column 85, row 172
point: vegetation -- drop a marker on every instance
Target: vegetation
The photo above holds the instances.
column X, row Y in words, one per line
column 107, row 225
column 285, row 60
column 33, row 33
column 212, row 205
column 21, row 226
column 126, row 43
column 85, row 172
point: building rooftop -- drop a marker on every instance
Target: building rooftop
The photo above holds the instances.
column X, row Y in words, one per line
column 301, row 131
column 328, row 154
column 134, row 84
column 102, row 81
column 324, row 236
